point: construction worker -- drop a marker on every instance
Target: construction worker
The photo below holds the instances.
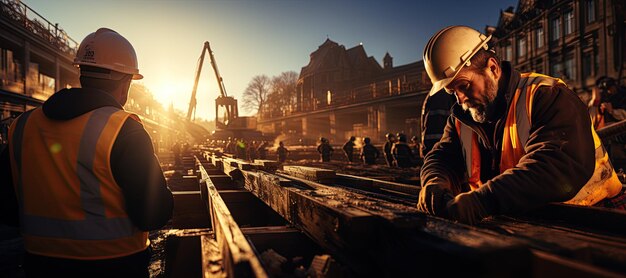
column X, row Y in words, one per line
column 513, row 141
column 230, row 146
column 435, row 112
column 252, row 154
column 262, row 150
column 402, row 152
column 415, row 149
column 176, row 149
column 610, row 101
column 369, row 153
column 348, row 148
column 240, row 148
column 391, row 139
column 88, row 184
column 282, row 152
column 325, row 150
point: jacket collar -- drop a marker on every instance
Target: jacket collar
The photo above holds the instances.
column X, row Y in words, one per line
column 70, row 103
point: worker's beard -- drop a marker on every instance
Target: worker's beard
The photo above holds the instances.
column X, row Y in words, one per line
column 481, row 109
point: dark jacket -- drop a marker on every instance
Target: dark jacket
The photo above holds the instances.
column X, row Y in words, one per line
column 136, row 169
column 402, row 155
column 369, row 154
column 282, row 153
column 559, row 159
column 435, row 114
column 325, row 150
column 348, row 149
column 387, row 151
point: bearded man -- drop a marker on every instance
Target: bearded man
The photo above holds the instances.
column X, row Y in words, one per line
column 514, row 141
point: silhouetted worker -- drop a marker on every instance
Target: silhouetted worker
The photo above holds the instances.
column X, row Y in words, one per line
column 176, row 149
column 241, row 148
column 435, row 113
column 325, row 150
column 415, row 148
column 89, row 186
column 402, row 152
column 262, row 150
column 230, row 146
column 369, row 153
column 387, row 149
column 282, row 152
column 348, row 149
column 252, row 154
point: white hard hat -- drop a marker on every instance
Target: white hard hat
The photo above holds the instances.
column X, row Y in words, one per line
column 107, row 49
column 448, row 51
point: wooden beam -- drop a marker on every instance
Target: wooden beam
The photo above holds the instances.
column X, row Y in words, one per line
column 377, row 238
column 239, row 259
column 267, row 165
column 310, row 173
column 592, row 219
column 377, row 185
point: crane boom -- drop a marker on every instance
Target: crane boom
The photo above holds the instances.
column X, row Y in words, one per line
column 193, row 101
column 220, row 81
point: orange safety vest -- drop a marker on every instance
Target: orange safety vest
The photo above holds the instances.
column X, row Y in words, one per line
column 516, row 133
column 70, row 205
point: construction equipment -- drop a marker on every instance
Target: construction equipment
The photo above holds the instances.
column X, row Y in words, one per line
column 230, row 124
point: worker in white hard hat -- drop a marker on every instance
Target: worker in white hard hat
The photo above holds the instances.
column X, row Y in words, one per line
column 514, row 141
column 80, row 177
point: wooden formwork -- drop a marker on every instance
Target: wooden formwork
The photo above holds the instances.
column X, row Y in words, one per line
column 373, row 228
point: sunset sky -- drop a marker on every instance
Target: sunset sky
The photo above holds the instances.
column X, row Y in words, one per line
column 251, row 38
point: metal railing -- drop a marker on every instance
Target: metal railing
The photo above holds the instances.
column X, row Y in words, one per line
column 36, row 24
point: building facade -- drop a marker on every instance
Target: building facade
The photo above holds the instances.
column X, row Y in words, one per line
column 575, row 40
column 343, row 92
column 35, row 61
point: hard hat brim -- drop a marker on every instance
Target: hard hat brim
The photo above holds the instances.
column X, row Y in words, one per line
column 437, row 86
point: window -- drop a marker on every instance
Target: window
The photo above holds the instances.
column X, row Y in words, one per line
column 570, row 67
column 521, row 47
column 555, row 29
column 587, row 64
column 539, row 37
column 508, row 52
column 568, row 17
column 556, row 69
column 591, row 10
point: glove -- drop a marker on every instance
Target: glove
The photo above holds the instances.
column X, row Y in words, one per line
column 433, row 198
column 466, row 208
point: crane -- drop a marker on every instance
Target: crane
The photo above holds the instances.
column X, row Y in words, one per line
column 223, row 100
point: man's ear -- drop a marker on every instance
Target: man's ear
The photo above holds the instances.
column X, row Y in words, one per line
column 494, row 67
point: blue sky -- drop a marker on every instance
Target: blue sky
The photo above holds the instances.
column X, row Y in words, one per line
column 250, row 38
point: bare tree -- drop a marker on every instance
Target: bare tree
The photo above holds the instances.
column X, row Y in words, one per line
column 255, row 95
column 282, row 95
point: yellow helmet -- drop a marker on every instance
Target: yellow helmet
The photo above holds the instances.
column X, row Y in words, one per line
column 107, row 49
column 448, row 51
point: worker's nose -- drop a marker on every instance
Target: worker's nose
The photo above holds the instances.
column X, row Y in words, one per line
column 460, row 97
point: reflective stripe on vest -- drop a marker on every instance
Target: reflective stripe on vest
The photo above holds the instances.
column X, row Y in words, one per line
column 603, row 183
column 92, row 222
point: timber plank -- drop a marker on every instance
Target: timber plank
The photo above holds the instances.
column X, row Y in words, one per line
column 376, row 184
column 602, row 250
column 310, row 173
column 373, row 245
column 238, row 257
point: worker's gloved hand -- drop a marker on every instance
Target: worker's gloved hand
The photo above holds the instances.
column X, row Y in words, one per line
column 466, row 208
column 433, row 198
